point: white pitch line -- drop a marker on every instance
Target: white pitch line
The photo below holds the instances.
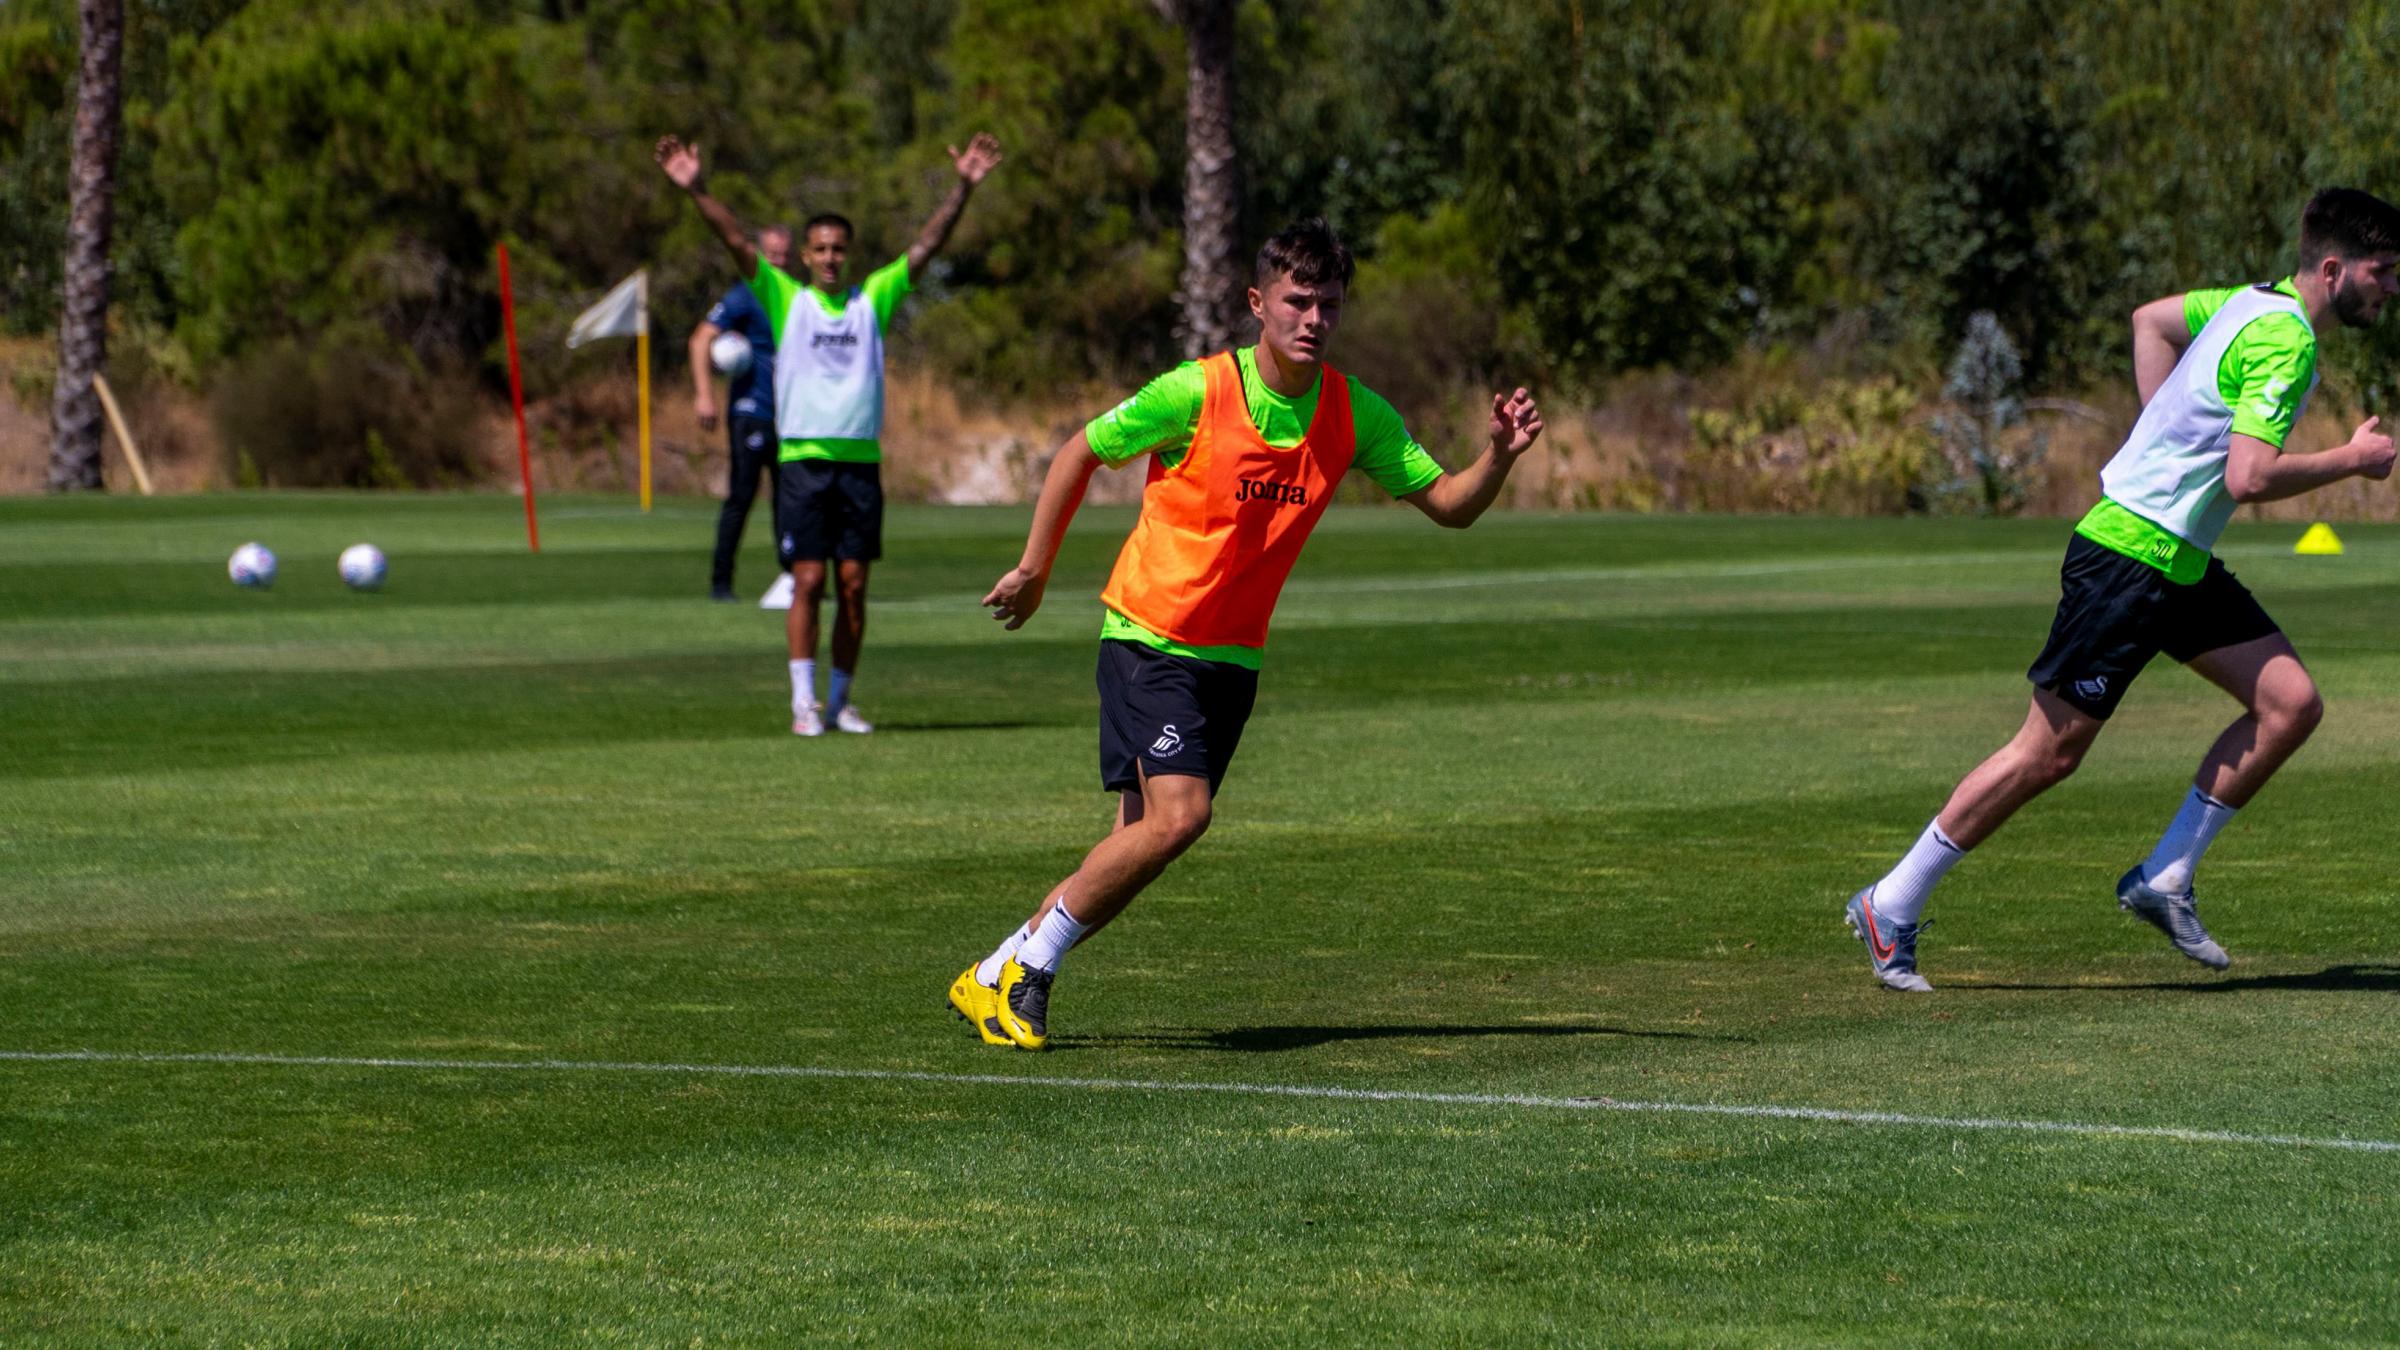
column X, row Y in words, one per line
column 2173, row 1133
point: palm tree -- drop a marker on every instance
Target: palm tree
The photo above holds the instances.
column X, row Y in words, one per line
column 91, row 208
column 1212, row 180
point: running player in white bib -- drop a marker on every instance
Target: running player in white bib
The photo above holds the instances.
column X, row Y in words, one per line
column 2224, row 376
column 829, row 413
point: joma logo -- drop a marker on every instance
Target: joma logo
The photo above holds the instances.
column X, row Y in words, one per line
column 1260, row 489
column 832, row 340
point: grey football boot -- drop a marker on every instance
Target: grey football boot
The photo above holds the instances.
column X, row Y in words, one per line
column 2177, row 916
column 1891, row 947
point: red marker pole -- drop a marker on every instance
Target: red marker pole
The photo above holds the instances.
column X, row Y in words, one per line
column 516, row 394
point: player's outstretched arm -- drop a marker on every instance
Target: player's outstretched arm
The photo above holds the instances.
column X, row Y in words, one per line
column 981, row 156
column 1455, row 500
column 704, row 386
column 681, row 164
column 2258, row 472
column 2160, row 334
column 1018, row 593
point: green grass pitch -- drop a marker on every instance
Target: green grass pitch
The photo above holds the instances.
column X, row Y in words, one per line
column 1557, row 808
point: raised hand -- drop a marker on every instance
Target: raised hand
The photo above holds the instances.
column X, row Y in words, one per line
column 1016, row 596
column 681, row 162
column 981, row 156
column 1516, row 423
column 2374, row 450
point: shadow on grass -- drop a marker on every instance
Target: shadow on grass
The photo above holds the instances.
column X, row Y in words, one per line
column 2332, row 979
column 1258, row 1040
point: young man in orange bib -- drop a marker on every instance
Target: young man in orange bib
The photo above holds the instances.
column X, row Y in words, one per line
column 1245, row 448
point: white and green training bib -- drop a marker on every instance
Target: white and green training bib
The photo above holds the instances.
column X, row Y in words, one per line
column 829, row 361
column 2250, row 368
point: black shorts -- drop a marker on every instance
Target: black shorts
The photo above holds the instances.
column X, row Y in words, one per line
column 1168, row 714
column 2115, row 613
column 827, row 508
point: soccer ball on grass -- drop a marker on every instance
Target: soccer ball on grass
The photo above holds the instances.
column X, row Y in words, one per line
column 362, row 567
column 252, row 566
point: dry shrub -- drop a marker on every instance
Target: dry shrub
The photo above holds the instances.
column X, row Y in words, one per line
column 1843, row 447
column 169, row 424
column 938, row 447
column 345, row 414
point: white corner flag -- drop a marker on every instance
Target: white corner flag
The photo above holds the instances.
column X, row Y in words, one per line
column 625, row 312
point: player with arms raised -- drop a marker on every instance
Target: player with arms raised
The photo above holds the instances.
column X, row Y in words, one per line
column 1246, row 447
column 2224, row 376
column 829, row 412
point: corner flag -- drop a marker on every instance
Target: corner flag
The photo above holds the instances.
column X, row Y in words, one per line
column 625, row 312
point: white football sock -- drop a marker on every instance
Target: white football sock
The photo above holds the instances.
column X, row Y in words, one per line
column 838, row 697
column 804, row 686
column 988, row 974
column 1900, row 897
column 2170, row 866
column 1059, row 930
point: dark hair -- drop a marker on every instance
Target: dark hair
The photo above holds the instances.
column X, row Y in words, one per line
column 839, row 222
column 2346, row 223
column 1308, row 252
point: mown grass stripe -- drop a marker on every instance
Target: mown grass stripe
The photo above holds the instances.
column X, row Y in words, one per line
column 2172, row 1133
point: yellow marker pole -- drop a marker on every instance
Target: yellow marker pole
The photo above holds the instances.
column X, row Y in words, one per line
column 641, row 357
column 116, row 420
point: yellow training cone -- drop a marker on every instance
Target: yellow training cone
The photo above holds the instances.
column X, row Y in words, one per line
column 2320, row 541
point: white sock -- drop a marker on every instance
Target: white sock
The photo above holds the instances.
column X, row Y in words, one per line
column 2170, row 866
column 1900, row 897
column 1049, row 943
column 804, row 686
column 838, row 697
column 988, row 974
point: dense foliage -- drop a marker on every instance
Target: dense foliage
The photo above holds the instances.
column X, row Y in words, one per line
column 1575, row 187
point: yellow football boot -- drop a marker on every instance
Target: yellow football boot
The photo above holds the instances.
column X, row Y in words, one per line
column 975, row 1003
column 1024, row 998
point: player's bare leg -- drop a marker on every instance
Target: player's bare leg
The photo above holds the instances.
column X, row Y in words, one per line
column 849, row 635
column 975, row 994
column 800, row 624
column 1153, row 829
column 2280, row 708
column 1169, row 816
column 2046, row 749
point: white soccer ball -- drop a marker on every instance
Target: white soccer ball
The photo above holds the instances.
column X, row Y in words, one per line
column 730, row 353
column 251, row 565
column 362, row 567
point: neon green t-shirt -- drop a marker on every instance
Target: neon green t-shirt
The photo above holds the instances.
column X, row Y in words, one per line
column 1161, row 418
column 884, row 288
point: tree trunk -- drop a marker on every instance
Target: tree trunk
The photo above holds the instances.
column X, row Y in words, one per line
column 92, row 189
column 1213, row 279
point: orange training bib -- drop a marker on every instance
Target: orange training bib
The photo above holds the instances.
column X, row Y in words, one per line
column 1220, row 531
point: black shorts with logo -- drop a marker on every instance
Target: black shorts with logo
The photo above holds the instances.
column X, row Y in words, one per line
column 1168, row 714
column 2115, row 613
column 828, row 508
